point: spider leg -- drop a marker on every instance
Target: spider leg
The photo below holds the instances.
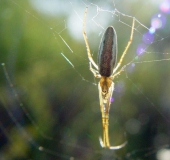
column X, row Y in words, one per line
column 105, row 107
column 86, row 41
column 126, row 48
column 104, row 124
column 118, row 73
column 94, row 71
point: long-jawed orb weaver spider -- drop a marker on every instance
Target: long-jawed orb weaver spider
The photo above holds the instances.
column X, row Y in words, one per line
column 106, row 70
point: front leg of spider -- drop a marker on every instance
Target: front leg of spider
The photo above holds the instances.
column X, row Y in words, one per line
column 106, row 62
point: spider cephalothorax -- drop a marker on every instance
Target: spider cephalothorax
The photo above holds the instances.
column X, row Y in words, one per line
column 105, row 84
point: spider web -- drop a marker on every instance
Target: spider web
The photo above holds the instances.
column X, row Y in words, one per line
column 49, row 98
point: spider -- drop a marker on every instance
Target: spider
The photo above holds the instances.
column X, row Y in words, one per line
column 106, row 70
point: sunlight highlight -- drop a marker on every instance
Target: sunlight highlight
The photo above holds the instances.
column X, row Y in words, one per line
column 163, row 154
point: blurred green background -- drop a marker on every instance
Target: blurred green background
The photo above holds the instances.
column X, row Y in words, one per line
column 50, row 110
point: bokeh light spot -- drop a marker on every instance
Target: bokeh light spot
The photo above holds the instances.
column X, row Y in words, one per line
column 120, row 87
column 148, row 38
column 165, row 6
column 158, row 21
column 112, row 99
column 163, row 154
column 152, row 30
column 141, row 49
column 130, row 68
column 133, row 126
column 136, row 58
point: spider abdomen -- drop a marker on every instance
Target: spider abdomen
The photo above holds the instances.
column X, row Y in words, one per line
column 107, row 52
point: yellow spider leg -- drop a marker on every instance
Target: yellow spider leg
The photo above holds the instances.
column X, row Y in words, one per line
column 127, row 47
column 86, row 41
column 105, row 107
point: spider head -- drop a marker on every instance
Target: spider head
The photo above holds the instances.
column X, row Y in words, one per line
column 105, row 84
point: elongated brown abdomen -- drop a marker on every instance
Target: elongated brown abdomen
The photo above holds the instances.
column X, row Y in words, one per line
column 107, row 52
